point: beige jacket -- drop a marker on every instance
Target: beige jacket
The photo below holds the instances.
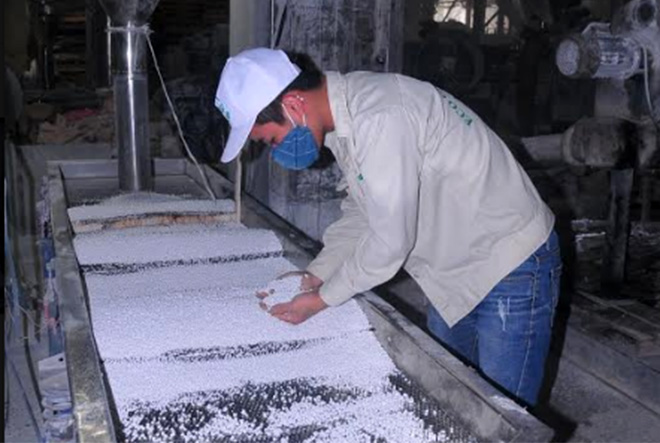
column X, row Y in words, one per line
column 430, row 188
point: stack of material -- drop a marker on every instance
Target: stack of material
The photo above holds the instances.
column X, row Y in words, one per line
column 149, row 209
column 80, row 126
column 190, row 356
column 642, row 273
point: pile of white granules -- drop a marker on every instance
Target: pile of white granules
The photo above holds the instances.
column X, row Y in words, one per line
column 190, row 355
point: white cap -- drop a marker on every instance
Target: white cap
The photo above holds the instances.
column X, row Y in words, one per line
column 249, row 82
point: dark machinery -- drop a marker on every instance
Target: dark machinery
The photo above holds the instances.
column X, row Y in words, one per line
column 622, row 136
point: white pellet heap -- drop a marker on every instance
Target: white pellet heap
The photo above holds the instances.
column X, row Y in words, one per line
column 280, row 290
column 190, row 355
column 146, row 203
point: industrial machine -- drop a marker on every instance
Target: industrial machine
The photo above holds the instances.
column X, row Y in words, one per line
column 623, row 57
column 485, row 412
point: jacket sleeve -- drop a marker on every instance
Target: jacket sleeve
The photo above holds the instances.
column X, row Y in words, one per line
column 339, row 240
column 390, row 166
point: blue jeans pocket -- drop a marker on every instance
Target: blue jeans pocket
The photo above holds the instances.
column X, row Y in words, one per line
column 516, row 283
column 518, row 286
column 514, row 295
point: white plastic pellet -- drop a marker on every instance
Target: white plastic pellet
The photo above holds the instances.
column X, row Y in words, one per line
column 147, row 204
column 158, row 244
column 281, row 290
column 179, row 341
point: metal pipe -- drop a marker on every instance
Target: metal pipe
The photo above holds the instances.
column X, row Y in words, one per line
column 129, row 58
column 132, row 107
column 238, row 185
column 618, row 231
column 479, row 18
column 108, row 49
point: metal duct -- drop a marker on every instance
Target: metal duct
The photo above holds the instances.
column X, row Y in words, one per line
column 129, row 43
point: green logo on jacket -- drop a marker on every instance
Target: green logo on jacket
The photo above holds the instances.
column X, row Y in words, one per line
column 467, row 118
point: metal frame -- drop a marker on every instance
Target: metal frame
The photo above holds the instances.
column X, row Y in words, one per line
column 487, row 412
column 91, row 409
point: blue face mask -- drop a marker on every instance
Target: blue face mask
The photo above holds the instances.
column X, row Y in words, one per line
column 298, row 149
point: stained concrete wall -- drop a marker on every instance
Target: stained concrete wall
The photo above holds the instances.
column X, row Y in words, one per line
column 249, row 27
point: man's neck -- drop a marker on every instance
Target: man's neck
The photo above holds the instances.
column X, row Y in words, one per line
column 322, row 103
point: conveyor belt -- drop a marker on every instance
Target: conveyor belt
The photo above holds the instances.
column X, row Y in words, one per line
column 190, row 360
column 169, row 335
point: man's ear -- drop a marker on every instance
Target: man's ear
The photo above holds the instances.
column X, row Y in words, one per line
column 294, row 103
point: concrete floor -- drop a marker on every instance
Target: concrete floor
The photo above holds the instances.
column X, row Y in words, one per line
column 582, row 406
column 600, row 412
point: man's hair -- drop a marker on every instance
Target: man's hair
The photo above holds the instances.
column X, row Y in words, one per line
column 310, row 77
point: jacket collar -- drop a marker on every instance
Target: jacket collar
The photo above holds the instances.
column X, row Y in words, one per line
column 338, row 103
column 339, row 139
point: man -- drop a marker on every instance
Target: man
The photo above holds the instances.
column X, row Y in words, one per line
column 430, row 188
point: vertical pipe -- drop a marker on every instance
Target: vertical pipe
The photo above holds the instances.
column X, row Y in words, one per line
column 252, row 24
column 500, row 22
column 479, row 22
column 647, row 197
column 95, row 45
column 108, row 43
column 616, row 248
column 238, row 185
column 132, row 108
column 47, row 60
column 468, row 13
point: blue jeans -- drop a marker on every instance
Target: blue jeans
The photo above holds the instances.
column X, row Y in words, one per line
column 508, row 334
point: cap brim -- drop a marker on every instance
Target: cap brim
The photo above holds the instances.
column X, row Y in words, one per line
column 236, row 140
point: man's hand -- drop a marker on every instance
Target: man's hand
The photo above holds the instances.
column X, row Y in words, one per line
column 300, row 308
column 308, row 282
